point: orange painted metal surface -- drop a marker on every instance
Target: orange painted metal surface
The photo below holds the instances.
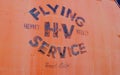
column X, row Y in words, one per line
column 61, row 37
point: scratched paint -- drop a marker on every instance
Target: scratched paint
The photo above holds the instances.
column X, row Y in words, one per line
column 71, row 37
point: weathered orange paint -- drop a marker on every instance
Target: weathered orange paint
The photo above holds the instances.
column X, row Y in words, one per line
column 102, row 39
